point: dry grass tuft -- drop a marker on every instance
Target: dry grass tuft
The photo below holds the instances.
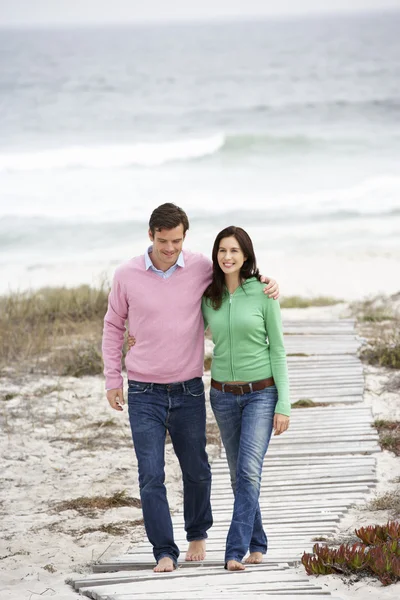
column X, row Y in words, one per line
column 374, row 310
column 80, row 360
column 384, row 351
column 47, row 390
column 389, row 435
column 85, row 505
column 393, row 384
column 108, row 423
column 33, row 323
column 119, row 528
column 389, row 501
column 299, row 302
column 308, row 403
column 207, row 363
column 50, row 568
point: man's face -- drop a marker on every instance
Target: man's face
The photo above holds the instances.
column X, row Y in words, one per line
column 167, row 245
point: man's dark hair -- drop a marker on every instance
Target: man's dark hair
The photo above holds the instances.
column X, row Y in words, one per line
column 168, row 216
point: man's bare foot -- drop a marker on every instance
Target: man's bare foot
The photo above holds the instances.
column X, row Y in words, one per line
column 234, row 565
column 164, row 565
column 254, row 558
column 196, row 550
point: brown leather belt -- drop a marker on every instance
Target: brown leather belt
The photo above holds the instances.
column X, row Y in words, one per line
column 242, row 388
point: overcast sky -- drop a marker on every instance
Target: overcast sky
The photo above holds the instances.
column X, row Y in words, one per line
column 45, row 12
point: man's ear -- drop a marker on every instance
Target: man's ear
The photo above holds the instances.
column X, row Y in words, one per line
column 151, row 236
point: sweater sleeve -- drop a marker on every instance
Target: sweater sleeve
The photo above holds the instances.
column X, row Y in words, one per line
column 113, row 334
column 272, row 315
column 204, row 312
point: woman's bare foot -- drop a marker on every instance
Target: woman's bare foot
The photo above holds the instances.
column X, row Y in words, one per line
column 196, row 550
column 254, row 558
column 164, row 565
column 234, row 565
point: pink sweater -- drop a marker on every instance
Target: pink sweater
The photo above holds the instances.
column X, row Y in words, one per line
column 165, row 317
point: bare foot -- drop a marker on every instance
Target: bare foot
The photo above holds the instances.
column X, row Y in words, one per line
column 164, row 565
column 196, row 550
column 254, row 558
column 234, row 565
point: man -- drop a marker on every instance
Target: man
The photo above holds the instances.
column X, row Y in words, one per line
column 160, row 293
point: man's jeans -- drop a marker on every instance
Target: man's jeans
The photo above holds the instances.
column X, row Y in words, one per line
column 245, row 423
column 179, row 408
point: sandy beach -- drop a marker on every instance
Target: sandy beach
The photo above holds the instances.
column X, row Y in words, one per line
column 59, row 441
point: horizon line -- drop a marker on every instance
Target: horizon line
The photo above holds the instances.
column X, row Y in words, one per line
column 202, row 20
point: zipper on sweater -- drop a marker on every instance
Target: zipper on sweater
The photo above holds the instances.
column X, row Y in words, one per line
column 230, row 334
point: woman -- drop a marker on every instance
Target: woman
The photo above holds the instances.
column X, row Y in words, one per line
column 249, row 386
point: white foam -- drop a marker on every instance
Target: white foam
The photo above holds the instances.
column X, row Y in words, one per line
column 113, row 156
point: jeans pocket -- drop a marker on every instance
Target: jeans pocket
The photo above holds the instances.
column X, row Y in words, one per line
column 195, row 387
column 135, row 387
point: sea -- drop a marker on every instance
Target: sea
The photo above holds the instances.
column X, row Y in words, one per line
column 289, row 128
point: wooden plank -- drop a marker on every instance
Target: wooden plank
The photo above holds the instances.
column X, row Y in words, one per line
column 312, row 475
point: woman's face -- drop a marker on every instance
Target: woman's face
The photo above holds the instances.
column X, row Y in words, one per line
column 230, row 255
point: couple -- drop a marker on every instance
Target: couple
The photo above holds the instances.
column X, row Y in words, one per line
column 168, row 296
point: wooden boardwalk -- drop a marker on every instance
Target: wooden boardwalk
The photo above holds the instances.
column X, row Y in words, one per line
column 312, row 475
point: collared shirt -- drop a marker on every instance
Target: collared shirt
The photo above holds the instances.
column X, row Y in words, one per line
column 164, row 274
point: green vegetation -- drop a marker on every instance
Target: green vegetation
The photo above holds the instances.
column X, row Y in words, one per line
column 389, row 435
column 299, row 302
column 304, row 403
column 377, row 555
column 374, row 310
column 384, row 351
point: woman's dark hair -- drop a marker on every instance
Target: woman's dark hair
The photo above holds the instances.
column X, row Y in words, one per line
column 217, row 289
column 168, row 216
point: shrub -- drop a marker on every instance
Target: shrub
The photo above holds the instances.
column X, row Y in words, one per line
column 384, row 352
column 378, row 554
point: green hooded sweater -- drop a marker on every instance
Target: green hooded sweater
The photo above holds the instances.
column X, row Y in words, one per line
column 248, row 337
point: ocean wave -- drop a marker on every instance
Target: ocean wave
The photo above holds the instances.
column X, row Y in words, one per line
column 113, row 156
column 16, row 229
column 263, row 143
column 156, row 154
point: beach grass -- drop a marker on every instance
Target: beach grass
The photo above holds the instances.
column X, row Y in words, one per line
column 302, row 302
column 384, row 351
column 378, row 322
column 36, row 325
column 389, row 501
column 389, row 435
column 374, row 310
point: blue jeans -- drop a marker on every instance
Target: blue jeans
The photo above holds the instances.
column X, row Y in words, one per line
column 179, row 408
column 245, row 423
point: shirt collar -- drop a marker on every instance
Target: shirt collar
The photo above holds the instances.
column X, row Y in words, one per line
column 149, row 263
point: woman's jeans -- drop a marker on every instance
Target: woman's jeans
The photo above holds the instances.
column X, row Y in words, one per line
column 246, row 424
column 179, row 408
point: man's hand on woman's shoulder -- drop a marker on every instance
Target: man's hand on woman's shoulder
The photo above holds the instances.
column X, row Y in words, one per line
column 272, row 288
